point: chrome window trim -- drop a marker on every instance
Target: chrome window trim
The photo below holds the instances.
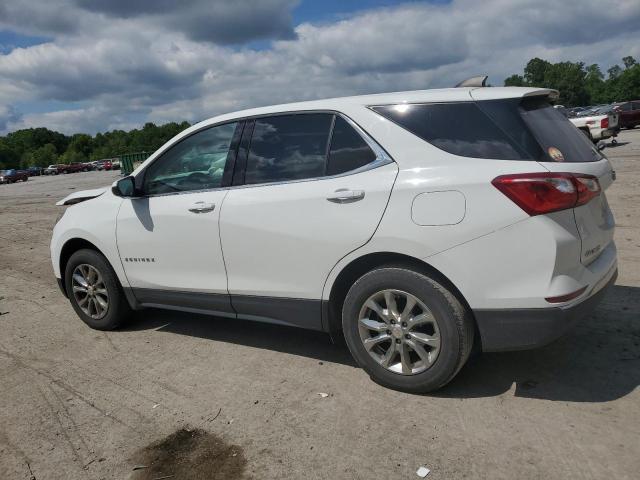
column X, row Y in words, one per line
column 382, row 157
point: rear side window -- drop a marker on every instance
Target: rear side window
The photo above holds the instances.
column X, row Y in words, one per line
column 560, row 140
column 458, row 128
column 349, row 150
column 288, row 147
column 508, row 129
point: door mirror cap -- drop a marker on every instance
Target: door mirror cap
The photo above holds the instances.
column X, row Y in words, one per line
column 125, row 187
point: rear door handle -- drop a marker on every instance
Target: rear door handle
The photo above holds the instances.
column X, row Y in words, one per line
column 202, row 207
column 344, row 195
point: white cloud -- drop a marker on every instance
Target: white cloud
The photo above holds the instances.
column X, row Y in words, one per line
column 130, row 70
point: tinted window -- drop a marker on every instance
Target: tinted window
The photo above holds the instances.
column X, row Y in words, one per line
column 458, row 128
column 507, row 117
column 509, row 129
column 636, row 106
column 554, row 132
column 195, row 163
column 288, row 147
column 348, row 149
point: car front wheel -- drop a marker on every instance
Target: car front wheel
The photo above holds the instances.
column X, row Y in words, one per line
column 94, row 291
column 406, row 330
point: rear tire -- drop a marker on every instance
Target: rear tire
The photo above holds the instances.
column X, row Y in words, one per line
column 94, row 291
column 448, row 339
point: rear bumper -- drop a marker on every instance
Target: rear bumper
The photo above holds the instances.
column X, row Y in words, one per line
column 522, row 329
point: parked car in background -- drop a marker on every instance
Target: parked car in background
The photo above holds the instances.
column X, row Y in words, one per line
column 107, row 165
column 75, row 167
column 35, row 171
column 52, row 170
column 629, row 113
column 598, row 126
column 369, row 217
column 12, row 175
column 115, row 165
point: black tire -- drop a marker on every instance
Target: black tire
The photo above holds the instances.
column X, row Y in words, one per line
column 118, row 309
column 455, row 324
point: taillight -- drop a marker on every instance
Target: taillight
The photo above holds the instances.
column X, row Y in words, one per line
column 604, row 123
column 540, row 193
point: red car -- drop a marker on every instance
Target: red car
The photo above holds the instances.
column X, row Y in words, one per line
column 629, row 113
column 76, row 167
column 12, row 175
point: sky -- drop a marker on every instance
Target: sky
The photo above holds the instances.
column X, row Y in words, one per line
column 95, row 65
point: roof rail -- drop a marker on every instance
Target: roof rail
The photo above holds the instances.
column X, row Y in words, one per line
column 479, row 81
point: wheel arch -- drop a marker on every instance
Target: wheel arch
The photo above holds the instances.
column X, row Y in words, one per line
column 332, row 307
column 77, row 243
column 69, row 248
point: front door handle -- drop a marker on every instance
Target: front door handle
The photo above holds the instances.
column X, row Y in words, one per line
column 344, row 195
column 202, row 207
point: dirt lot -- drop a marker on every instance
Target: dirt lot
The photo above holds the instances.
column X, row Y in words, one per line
column 182, row 394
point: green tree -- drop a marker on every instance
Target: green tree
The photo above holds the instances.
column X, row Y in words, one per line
column 44, row 156
column 8, row 157
column 627, row 85
column 614, row 72
column 629, row 61
column 514, row 81
column 535, row 72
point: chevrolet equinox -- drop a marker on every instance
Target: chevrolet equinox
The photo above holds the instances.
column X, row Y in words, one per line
column 416, row 224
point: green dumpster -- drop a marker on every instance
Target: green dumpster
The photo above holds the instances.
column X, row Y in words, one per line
column 129, row 161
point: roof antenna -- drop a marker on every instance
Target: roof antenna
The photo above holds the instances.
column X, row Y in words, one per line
column 479, row 81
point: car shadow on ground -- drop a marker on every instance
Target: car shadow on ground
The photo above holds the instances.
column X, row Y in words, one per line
column 615, row 144
column 598, row 361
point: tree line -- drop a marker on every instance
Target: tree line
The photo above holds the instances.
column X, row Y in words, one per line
column 580, row 84
column 42, row 147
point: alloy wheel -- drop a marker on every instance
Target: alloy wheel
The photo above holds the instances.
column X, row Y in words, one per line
column 90, row 291
column 399, row 332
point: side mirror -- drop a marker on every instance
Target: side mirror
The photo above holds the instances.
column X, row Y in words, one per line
column 125, row 187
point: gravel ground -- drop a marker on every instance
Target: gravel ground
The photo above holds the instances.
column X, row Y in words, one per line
column 188, row 393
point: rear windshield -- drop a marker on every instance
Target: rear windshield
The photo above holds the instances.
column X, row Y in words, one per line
column 509, row 129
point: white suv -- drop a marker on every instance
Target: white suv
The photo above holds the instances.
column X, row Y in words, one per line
column 419, row 224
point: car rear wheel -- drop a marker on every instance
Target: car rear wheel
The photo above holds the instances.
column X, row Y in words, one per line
column 406, row 330
column 94, row 291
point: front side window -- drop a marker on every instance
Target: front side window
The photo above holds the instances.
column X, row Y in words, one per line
column 288, row 147
column 349, row 151
column 195, row 163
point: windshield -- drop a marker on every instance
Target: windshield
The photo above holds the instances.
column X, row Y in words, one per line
column 6, row 172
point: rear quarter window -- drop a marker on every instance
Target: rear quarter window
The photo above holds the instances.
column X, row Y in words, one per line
column 506, row 129
column 458, row 128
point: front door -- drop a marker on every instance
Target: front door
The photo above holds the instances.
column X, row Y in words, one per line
column 168, row 239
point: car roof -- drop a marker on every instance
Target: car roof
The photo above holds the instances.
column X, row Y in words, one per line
column 465, row 94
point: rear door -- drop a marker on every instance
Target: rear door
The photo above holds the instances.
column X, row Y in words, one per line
column 311, row 187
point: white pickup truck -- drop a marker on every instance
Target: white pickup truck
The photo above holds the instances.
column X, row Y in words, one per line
column 598, row 126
